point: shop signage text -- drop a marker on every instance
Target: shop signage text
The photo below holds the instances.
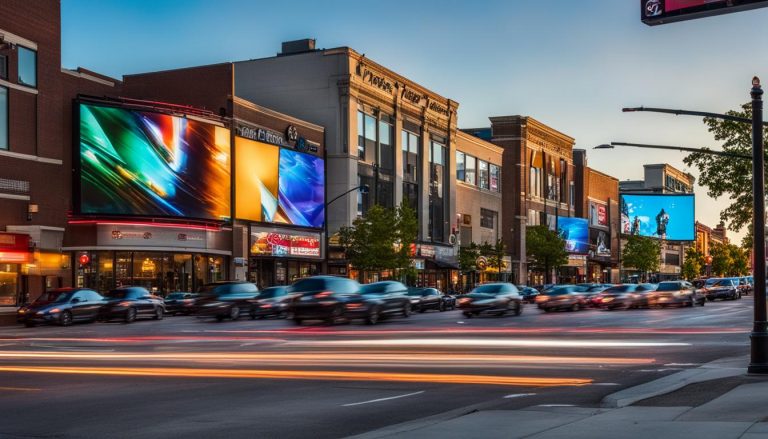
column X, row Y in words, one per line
column 129, row 235
column 269, row 243
column 378, row 81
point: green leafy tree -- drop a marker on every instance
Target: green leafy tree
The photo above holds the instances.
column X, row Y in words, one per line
column 494, row 254
column 722, row 262
column 642, row 253
column 545, row 249
column 730, row 176
column 468, row 260
column 739, row 260
column 693, row 264
column 381, row 239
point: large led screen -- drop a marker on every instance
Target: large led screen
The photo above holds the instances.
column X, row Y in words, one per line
column 575, row 232
column 278, row 185
column 151, row 164
column 659, row 216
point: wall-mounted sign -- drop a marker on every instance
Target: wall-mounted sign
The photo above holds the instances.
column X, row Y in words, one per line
column 284, row 243
column 598, row 214
column 125, row 235
column 290, row 140
column 655, row 12
column 378, row 80
column 427, row 251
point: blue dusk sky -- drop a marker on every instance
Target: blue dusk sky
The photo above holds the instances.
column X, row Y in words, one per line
column 570, row 64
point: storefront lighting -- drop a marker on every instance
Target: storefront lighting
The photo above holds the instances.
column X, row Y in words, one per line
column 205, row 227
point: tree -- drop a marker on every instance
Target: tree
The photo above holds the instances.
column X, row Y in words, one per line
column 729, row 175
column 740, row 260
column 545, row 249
column 722, row 263
column 381, row 239
column 468, row 260
column 642, row 253
column 494, row 254
column 693, row 264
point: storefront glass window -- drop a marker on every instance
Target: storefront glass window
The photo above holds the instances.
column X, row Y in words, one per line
column 103, row 278
column 148, row 271
column 215, row 268
column 123, row 269
column 178, row 276
column 8, row 284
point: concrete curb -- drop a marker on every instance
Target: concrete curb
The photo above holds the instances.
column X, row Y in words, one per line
column 722, row 368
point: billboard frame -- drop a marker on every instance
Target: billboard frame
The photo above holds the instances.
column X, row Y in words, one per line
column 710, row 9
column 692, row 195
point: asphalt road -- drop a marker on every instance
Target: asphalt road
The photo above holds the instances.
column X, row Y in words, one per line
column 181, row 377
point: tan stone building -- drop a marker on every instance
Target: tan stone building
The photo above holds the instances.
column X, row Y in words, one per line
column 478, row 199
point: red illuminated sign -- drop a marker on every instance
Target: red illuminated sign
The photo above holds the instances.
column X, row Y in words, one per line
column 285, row 244
column 655, row 12
column 84, row 259
column 14, row 248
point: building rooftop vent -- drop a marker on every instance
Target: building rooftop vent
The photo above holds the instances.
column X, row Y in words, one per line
column 298, row 46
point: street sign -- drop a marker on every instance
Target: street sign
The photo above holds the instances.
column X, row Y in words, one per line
column 653, row 12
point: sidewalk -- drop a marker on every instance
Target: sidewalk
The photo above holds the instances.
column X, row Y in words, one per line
column 718, row 400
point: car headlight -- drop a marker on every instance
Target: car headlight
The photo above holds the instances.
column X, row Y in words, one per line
column 465, row 300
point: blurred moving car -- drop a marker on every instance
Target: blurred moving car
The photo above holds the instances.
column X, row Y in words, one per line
column 129, row 303
column 676, row 293
column 561, row 297
column 528, row 294
column 494, row 298
column 228, row 299
column 323, row 298
column 592, row 291
column 62, row 306
column 745, row 286
column 272, row 301
column 423, row 299
column 625, row 296
column 379, row 300
column 722, row 288
column 179, row 302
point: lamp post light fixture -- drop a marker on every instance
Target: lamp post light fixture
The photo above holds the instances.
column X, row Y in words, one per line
column 759, row 337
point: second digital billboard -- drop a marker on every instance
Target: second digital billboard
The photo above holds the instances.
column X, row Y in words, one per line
column 659, row 216
column 278, row 185
column 575, row 232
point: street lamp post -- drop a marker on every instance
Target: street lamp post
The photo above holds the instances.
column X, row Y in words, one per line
column 363, row 188
column 759, row 337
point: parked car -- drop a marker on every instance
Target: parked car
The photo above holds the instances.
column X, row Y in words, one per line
column 423, row 299
column 745, row 286
column 62, row 306
column 528, row 294
column 379, row 300
column 322, row 298
column 493, row 298
column 222, row 300
column 722, row 288
column 179, row 302
column 272, row 301
column 130, row 303
column 561, row 297
column 680, row 292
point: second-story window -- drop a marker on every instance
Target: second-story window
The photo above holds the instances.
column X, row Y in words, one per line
column 27, row 67
column 483, row 176
column 470, row 165
column 3, row 118
column 460, row 172
column 3, row 66
column 495, row 179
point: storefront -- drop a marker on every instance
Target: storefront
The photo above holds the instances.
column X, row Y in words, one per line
column 14, row 254
column 280, row 256
column 161, row 258
column 599, row 258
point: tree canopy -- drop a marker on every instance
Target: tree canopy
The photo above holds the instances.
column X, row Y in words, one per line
column 729, row 176
column 545, row 249
column 642, row 253
column 693, row 264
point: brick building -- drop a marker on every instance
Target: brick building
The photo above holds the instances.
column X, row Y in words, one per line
column 597, row 199
column 538, row 186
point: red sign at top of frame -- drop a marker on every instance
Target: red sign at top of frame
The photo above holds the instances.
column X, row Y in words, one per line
column 655, row 12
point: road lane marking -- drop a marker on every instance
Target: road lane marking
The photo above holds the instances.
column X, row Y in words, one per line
column 682, row 364
column 555, row 405
column 478, row 342
column 20, row 389
column 518, row 395
column 605, row 384
column 383, row 399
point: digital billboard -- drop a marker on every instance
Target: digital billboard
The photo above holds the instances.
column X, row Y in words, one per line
column 143, row 163
column 599, row 243
column 659, row 216
column 655, row 12
column 598, row 214
column 575, row 232
column 278, row 185
column 282, row 243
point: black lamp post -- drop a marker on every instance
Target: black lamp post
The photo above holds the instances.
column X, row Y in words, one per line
column 759, row 337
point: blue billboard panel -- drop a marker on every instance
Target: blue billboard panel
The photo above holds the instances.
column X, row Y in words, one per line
column 575, row 232
column 659, row 216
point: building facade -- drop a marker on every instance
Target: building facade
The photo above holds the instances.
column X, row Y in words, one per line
column 479, row 203
column 597, row 200
column 662, row 179
column 383, row 131
column 538, row 187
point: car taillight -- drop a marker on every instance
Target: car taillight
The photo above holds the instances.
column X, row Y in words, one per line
column 354, row 305
column 124, row 304
column 465, row 300
column 542, row 298
column 323, row 295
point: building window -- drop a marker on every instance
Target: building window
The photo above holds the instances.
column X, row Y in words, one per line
column 3, row 118
column 495, row 185
column 3, row 67
column 27, row 67
column 437, row 185
column 533, row 216
column 460, row 173
column 573, row 194
column 410, row 146
column 366, row 137
column 386, row 148
column 483, row 175
column 411, row 196
column 470, row 165
column 488, row 218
